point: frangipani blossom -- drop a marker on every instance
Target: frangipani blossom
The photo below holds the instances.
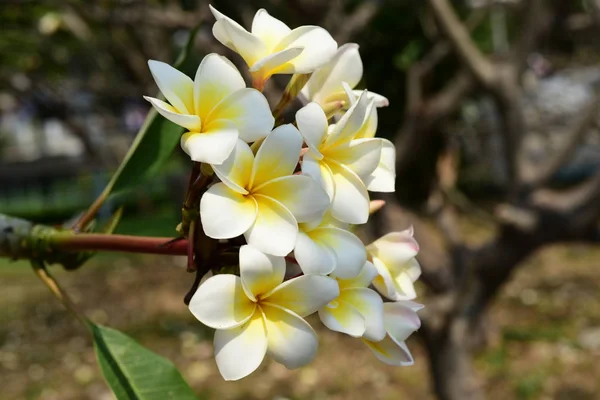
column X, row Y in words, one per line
column 216, row 107
column 394, row 257
column 257, row 314
column 324, row 248
column 400, row 321
column 338, row 160
column 358, row 310
column 271, row 47
column 325, row 86
column 260, row 198
column 383, row 179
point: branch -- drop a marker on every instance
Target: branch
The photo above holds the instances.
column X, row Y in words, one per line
column 423, row 67
column 120, row 243
column 458, row 35
column 357, row 21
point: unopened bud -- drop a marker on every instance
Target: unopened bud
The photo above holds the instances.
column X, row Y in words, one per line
column 376, row 205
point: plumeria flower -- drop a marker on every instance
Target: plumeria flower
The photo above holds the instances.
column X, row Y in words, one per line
column 383, row 178
column 257, row 314
column 400, row 321
column 322, row 247
column 394, row 257
column 325, row 86
column 358, row 310
column 216, row 107
column 338, row 160
column 271, row 47
column 260, row 198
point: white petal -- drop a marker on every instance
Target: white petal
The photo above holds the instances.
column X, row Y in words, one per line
column 319, row 48
column 216, row 78
column 384, row 283
column 235, row 37
column 312, row 124
column 275, row 229
column 401, row 320
column 260, row 272
column 220, row 302
column 343, row 317
column 345, row 66
column 391, row 352
column 403, row 279
column 176, row 86
column 380, row 101
column 319, row 171
column 383, row 179
column 300, row 194
column 191, row 122
column 269, row 29
column 370, row 305
column 350, row 124
column 235, row 171
column 367, row 273
column 225, row 213
column 292, row 341
column 249, row 110
column 350, row 252
column 351, row 200
column 369, row 126
column 312, row 257
column 361, row 155
column 395, row 248
column 239, row 351
column 305, row 294
column 212, row 146
column 277, row 156
column 276, row 63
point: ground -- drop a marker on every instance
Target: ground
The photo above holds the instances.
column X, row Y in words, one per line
column 547, row 345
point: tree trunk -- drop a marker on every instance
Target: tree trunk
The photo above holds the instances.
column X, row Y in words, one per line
column 451, row 364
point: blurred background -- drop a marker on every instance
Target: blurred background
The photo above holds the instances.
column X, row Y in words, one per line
column 493, row 109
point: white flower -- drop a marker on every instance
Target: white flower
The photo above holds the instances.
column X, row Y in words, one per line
column 326, row 84
column 394, row 257
column 324, row 248
column 383, row 179
column 338, row 160
column 358, row 310
column 216, row 107
column 258, row 314
column 260, row 198
column 400, row 321
column 272, row 47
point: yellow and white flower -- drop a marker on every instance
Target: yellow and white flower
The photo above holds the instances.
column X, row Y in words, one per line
column 258, row 314
column 400, row 321
column 324, row 248
column 325, row 86
column 271, row 47
column 383, row 179
column 260, row 198
column 394, row 257
column 358, row 310
column 216, row 108
column 339, row 160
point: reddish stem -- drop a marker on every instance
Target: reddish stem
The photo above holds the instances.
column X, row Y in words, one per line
column 121, row 243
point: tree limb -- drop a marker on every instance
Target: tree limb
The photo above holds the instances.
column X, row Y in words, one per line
column 476, row 62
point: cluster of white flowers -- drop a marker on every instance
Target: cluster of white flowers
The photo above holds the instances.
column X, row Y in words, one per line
column 292, row 192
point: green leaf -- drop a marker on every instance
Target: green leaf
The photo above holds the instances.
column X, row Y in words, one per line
column 134, row 372
column 153, row 144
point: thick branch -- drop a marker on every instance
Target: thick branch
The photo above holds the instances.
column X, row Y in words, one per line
column 120, row 243
column 459, row 37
